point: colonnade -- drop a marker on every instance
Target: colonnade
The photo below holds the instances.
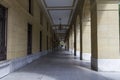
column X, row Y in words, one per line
column 94, row 34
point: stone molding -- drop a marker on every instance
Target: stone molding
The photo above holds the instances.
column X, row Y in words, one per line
column 7, row 67
column 112, row 65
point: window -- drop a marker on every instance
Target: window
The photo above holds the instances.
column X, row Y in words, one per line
column 30, row 7
column 3, row 40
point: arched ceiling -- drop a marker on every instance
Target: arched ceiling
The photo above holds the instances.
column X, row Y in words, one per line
column 57, row 9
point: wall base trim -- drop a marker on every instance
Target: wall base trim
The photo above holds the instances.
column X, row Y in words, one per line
column 4, row 68
column 107, row 64
column 71, row 51
column 78, row 53
column 87, row 56
column 7, row 67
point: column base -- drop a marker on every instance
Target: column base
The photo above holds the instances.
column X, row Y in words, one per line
column 94, row 64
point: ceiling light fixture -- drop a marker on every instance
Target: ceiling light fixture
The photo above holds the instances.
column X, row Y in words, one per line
column 60, row 26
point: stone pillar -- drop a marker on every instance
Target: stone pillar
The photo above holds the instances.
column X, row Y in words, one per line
column 67, row 44
column 70, row 41
column 105, row 35
column 86, row 31
column 78, row 36
column 74, row 39
column 81, row 40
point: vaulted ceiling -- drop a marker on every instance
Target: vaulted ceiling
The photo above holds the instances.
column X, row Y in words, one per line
column 60, row 12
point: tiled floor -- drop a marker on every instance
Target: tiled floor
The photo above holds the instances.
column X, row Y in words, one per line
column 56, row 66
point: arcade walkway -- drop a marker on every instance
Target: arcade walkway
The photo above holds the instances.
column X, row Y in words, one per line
column 55, row 66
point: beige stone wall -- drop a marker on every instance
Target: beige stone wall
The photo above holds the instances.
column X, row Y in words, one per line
column 18, row 18
column 36, row 27
column 72, row 37
column 78, row 33
column 108, row 30
column 105, row 29
column 86, row 37
column 24, row 4
column 86, row 28
column 71, row 40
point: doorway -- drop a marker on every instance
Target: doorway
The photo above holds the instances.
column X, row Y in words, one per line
column 3, row 32
column 29, row 39
column 40, row 41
